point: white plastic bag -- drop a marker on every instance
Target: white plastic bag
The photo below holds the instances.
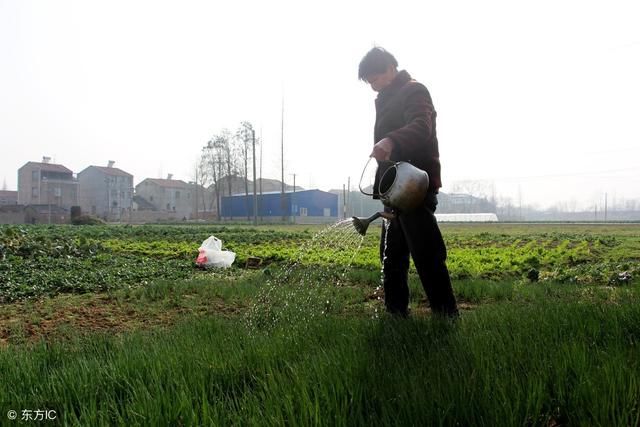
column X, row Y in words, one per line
column 211, row 254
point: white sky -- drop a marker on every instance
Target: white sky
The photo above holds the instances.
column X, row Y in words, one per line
column 541, row 98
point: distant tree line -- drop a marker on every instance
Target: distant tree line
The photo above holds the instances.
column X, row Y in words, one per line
column 480, row 196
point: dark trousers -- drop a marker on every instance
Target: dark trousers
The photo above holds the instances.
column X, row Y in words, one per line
column 416, row 233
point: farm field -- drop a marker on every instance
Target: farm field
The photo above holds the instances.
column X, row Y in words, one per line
column 116, row 325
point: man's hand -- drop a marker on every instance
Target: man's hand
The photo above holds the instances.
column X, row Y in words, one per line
column 382, row 149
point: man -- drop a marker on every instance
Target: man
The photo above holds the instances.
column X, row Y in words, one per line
column 405, row 130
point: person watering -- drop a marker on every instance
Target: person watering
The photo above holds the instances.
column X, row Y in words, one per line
column 405, row 130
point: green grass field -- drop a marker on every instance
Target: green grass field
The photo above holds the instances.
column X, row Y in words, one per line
column 116, row 326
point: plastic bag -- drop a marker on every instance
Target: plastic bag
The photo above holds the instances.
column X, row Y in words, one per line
column 211, row 254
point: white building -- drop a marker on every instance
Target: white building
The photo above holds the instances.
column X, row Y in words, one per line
column 169, row 195
column 106, row 192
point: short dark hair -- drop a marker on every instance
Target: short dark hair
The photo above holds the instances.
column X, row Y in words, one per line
column 376, row 61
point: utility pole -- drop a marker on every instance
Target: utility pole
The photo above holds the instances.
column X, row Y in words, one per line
column 349, row 208
column 261, row 144
column 255, row 197
column 195, row 191
column 344, row 202
column 294, row 208
column 282, row 203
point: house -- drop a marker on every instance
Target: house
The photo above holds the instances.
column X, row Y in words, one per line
column 307, row 206
column 8, row 198
column 168, row 195
column 105, row 191
column 46, row 183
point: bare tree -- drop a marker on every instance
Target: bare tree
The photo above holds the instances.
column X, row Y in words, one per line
column 227, row 160
column 211, row 160
column 200, row 178
column 220, row 157
column 225, row 142
column 244, row 137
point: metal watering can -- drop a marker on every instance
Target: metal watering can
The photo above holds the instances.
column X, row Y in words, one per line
column 402, row 187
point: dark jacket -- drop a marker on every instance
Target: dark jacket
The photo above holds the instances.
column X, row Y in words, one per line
column 405, row 114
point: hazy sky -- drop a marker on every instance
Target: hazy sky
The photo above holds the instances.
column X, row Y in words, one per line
column 539, row 99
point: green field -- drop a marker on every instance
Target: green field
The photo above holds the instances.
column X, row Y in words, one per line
column 116, row 325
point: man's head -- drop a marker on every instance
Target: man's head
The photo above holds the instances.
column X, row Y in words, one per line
column 378, row 68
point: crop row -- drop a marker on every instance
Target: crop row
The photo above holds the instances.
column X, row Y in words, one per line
column 45, row 260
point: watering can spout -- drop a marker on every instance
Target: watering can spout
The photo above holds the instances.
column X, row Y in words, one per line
column 361, row 224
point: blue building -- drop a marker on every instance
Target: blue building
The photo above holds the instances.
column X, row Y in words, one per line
column 306, row 203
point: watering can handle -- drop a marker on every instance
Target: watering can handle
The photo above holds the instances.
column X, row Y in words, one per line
column 366, row 166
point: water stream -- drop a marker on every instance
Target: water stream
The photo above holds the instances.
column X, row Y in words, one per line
column 380, row 289
column 297, row 293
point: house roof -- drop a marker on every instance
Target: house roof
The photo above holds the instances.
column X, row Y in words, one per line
column 167, row 183
column 111, row 171
column 50, row 167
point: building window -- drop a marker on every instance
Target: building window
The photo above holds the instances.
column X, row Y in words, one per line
column 177, row 194
column 168, row 207
column 327, row 211
column 151, row 198
column 34, row 192
column 34, row 175
column 303, row 211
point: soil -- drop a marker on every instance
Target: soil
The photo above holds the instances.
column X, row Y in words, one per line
column 65, row 316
